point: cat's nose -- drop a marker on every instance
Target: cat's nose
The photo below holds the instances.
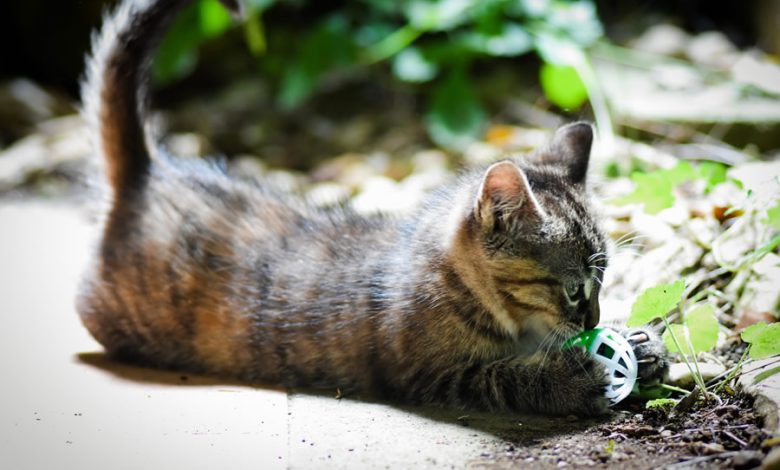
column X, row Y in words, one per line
column 593, row 313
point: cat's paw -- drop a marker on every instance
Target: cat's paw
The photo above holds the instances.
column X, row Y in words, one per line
column 580, row 384
column 651, row 355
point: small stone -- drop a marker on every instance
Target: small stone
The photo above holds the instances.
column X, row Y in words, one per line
column 663, row 39
column 711, row 448
column 747, row 459
column 772, row 460
column 680, row 375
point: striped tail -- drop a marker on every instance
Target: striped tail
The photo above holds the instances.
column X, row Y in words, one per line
column 114, row 92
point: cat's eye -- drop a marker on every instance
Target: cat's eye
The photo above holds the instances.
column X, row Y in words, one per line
column 574, row 291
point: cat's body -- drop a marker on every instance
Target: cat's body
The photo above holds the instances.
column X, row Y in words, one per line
column 464, row 303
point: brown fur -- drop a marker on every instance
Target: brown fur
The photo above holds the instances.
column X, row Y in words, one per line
column 463, row 303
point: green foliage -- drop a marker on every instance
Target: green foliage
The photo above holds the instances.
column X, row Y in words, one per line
column 655, row 302
column 178, row 53
column 562, row 86
column 766, row 374
column 660, row 403
column 326, row 48
column 773, row 216
column 697, row 333
column 427, row 41
column 453, row 123
column 656, row 190
column 713, row 173
column 411, row 65
column 764, row 339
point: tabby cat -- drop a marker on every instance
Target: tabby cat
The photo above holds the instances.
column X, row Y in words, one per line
column 465, row 303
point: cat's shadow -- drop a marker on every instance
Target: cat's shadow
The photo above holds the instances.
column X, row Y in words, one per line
column 518, row 429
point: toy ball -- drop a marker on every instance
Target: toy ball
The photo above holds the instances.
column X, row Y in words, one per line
column 613, row 351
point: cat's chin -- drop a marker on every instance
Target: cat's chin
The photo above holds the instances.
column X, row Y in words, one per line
column 541, row 333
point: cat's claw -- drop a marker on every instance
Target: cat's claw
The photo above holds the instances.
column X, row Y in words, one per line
column 651, row 355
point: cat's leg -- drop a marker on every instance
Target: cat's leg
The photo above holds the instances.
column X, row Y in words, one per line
column 651, row 354
column 558, row 382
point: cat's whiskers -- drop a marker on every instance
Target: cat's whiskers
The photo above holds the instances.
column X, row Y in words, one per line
column 629, row 241
column 627, row 237
column 550, row 341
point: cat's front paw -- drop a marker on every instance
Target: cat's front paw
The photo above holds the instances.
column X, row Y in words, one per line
column 651, row 355
column 579, row 384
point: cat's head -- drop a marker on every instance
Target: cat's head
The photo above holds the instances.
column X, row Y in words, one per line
column 530, row 244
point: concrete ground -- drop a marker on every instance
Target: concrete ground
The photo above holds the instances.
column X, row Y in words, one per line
column 64, row 405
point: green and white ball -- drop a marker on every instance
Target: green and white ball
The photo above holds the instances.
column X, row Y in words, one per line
column 612, row 350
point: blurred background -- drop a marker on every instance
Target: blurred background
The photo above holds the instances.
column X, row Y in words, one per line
column 375, row 102
column 301, row 81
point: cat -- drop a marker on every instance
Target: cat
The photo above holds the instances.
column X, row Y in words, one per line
column 465, row 303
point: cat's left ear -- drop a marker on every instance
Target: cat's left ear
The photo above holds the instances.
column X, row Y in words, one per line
column 505, row 194
column 570, row 150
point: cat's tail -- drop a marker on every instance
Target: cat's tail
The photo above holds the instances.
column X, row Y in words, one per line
column 114, row 91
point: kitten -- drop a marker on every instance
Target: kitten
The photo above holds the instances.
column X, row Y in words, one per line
column 465, row 303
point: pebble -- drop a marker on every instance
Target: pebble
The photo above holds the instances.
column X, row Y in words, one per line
column 680, row 375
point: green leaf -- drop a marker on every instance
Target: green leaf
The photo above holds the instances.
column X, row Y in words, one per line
column 455, row 117
column 327, row 48
column 700, row 327
column 213, row 18
column 411, row 65
column 655, row 302
column 764, row 339
column 177, row 55
column 558, row 50
column 562, row 86
column 438, row 15
column 703, row 327
column 766, row 374
column 261, row 5
column 773, row 218
column 510, row 40
column 679, row 333
column 713, row 173
column 753, row 332
column 577, row 21
column 656, row 190
column 254, row 33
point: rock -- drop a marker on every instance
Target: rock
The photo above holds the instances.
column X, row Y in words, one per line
column 712, row 49
column 680, row 375
column 746, row 459
column 663, row 39
column 710, row 448
column 757, row 71
column 772, row 460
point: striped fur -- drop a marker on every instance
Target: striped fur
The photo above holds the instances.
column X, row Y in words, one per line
column 464, row 303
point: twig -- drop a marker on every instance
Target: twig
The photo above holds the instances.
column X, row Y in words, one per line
column 733, row 372
column 696, row 377
column 735, row 438
column 705, row 458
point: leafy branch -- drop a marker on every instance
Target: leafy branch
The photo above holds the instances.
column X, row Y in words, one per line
column 429, row 45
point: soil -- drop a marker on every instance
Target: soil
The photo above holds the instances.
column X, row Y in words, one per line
column 725, row 434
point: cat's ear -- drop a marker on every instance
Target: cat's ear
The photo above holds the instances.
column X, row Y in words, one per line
column 570, row 150
column 506, row 194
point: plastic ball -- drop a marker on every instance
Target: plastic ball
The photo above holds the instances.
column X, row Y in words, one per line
column 612, row 350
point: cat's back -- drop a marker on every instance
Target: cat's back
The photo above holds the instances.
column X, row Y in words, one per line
column 201, row 261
